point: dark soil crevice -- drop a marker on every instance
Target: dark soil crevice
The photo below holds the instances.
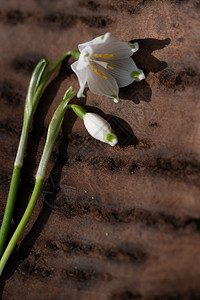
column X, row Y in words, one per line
column 175, row 167
column 5, row 180
column 26, row 62
column 134, row 215
column 179, row 80
column 133, row 253
column 55, row 19
column 9, row 128
column 83, row 277
column 125, row 295
column 35, row 269
column 12, row 92
column 98, row 22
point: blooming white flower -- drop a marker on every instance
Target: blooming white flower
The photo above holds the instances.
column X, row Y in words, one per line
column 99, row 129
column 105, row 64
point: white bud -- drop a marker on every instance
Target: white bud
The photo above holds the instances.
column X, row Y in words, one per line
column 99, row 129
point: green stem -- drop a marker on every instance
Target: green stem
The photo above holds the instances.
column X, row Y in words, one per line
column 20, row 153
column 23, row 141
column 9, row 207
column 22, row 224
column 48, row 75
column 5, row 226
column 53, row 131
column 73, row 53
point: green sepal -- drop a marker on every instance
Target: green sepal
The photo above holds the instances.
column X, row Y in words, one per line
column 75, row 54
column 135, row 74
column 110, row 137
column 132, row 45
column 79, row 110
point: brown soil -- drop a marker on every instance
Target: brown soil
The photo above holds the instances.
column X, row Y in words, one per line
column 111, row 223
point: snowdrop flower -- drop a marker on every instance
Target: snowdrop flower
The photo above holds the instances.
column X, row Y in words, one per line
column 105, row 65
column 99, row 129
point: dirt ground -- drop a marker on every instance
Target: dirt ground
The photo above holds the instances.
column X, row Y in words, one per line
column 111, row 223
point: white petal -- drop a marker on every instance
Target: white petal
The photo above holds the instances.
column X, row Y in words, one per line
column 113, row 142
column 120, row 49
column 116, row 100
column 81, row 74
column 98, row 40
column 108, row 44
column 84, row 57
column 99, row 128
column 96, row 126
column 125, row 71
column 99, row 85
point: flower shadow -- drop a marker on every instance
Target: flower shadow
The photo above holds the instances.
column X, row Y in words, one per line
column 141, row 91
column 121, row 128
column 123, row 131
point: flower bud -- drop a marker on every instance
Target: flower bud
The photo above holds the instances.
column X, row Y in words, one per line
column 99, row 129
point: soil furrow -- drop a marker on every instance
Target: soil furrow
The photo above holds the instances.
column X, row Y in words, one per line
column 135, row 215
column 57, row 19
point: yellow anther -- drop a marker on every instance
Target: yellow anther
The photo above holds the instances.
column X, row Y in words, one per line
column 103, row 55
column 98, row 72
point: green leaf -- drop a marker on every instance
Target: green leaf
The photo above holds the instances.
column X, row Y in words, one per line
column 53, row 130
column 36, row 78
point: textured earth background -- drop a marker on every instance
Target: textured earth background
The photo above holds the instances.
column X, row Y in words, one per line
column 111, row 223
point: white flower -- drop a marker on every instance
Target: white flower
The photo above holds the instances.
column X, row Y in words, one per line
column 105, row 64
column 99, row 129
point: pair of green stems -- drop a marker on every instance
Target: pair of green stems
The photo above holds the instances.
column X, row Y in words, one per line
column 38, row 80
